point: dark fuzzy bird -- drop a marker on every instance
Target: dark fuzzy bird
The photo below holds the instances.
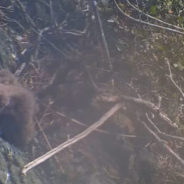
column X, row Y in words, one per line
column 17, row 111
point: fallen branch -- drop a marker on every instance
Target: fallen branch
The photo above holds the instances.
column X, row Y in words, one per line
column 73, row 140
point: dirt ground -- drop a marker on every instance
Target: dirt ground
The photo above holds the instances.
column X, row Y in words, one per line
column 77, row 76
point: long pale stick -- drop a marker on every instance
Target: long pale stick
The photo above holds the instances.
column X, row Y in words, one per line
column 73, row 140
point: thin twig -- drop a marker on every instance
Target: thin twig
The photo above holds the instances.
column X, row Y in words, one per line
column 20, row 69
column 73, row 140
column 39, row 32
column 76, row 32
column 97, row 130
column 39, row 42
column 44, row 135
column 38, row 123
column 154, row 18
column 52, row 12
column 164, row 144
column 49, row 42
column 95, row 86
column 144, row 22
column 163, row 133
column 102, row 34
column 7, row 19
column 153, row 107
column 146, row 103
column 172, row 80
column 28, row 18
column 178, row 174
column 58, row 163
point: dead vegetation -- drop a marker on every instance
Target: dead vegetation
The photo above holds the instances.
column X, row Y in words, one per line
column 92, row 67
